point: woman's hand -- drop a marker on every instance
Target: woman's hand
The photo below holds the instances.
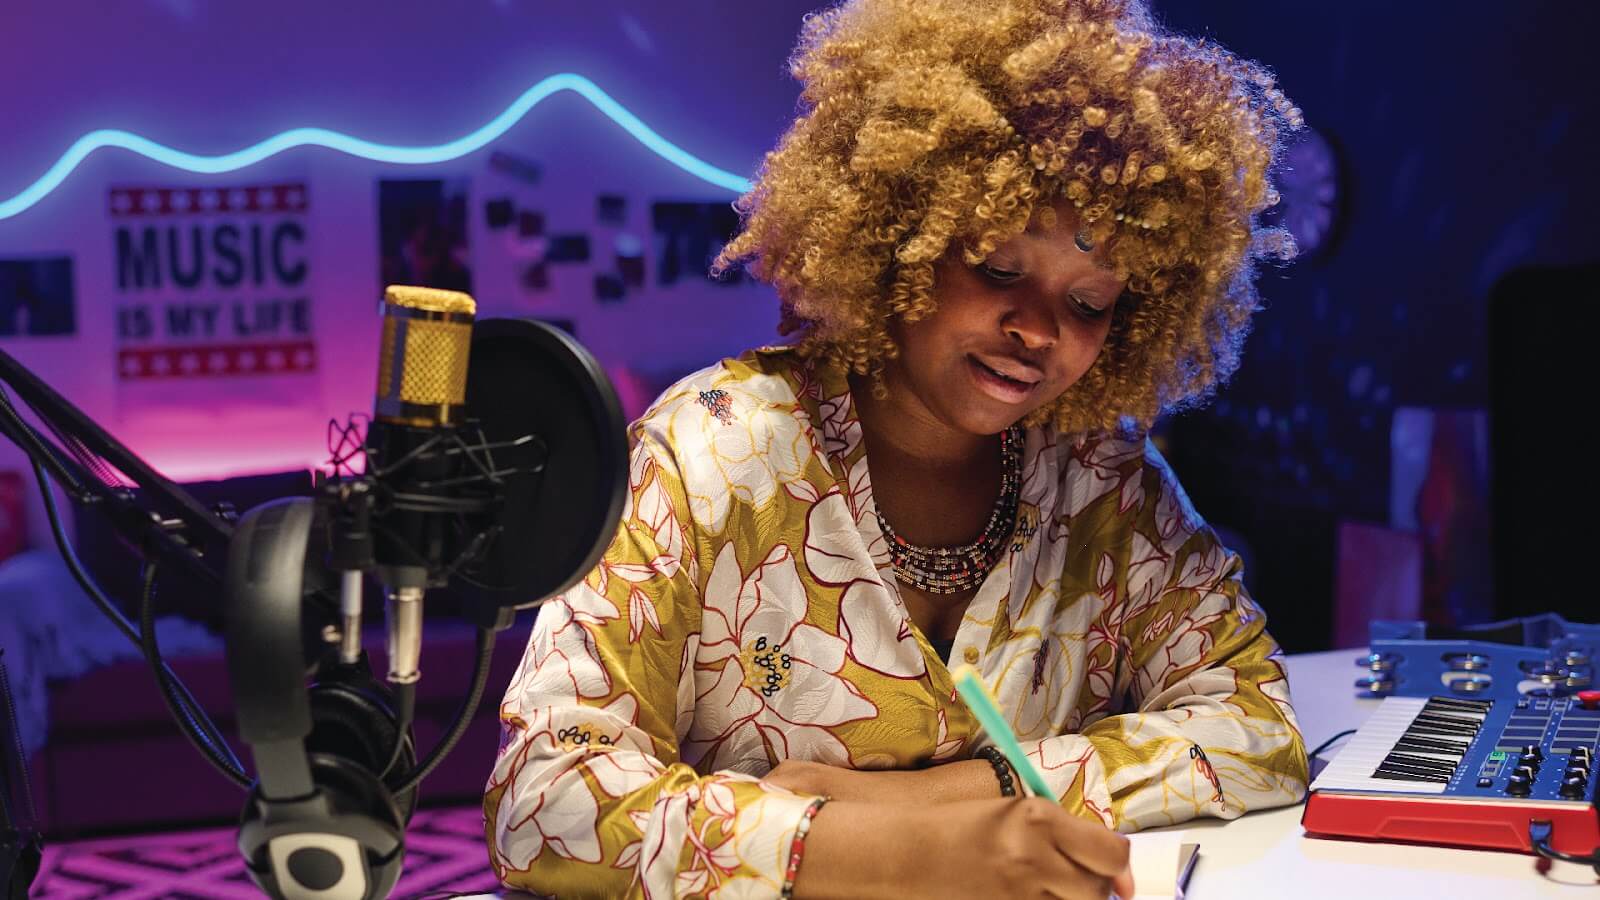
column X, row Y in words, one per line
column 1023, row 848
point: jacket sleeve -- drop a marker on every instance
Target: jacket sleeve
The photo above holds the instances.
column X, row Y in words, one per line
column 588, row 796
column 1209, row 729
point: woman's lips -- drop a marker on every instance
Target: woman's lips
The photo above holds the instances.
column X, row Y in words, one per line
column 1001, row 388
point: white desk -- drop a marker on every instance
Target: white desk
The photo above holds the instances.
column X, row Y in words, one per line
column 1267, row 855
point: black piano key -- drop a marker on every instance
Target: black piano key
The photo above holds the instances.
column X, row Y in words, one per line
column 1456, row 710
column 1469, row 701
column 1450, row 742
column 1434, row 755
column 1431, row 745
column 1441, row 699
column 1397, row 773
column 1457, row 715
column 1439, row 742
column 1419, row 762
column 1453, row 724
column 1472, row 725
column 1426, row 730
column 1465, row 706
column 1451, row 711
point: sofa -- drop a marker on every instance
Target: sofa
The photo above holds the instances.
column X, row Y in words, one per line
column 104, row 752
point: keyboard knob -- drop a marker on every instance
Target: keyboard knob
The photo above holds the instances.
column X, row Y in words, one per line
column 1519, row 785
column 1377, row 662
column 1576, row 772
column 1376, row 686
column 1581, row 753
column 1533, row 753
column 1572, row 788
column 1526, row 771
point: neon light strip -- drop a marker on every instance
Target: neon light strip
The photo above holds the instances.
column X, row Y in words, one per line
column 386, row 153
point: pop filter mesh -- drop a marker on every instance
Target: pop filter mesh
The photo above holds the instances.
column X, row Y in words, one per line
column 527, row 377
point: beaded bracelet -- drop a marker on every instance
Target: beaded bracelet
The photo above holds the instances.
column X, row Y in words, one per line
column 1002, row 770
column 797, row 847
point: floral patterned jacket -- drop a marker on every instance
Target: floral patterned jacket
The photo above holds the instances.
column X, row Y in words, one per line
column 745, row 613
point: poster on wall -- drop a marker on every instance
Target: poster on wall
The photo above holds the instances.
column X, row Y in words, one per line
column 36, row 297
column 422, row 233
column 213, row 297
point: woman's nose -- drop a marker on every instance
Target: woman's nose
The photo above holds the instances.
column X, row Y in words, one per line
column 1031, row 323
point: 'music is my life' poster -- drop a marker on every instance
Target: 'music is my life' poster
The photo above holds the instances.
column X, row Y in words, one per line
column 213, row 293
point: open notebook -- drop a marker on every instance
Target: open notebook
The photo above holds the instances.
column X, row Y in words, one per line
column 1162, row 862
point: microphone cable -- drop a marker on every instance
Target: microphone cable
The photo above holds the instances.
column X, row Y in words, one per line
column 204, row 739
column 463, row 718
column 405, row 705
column 191, row 719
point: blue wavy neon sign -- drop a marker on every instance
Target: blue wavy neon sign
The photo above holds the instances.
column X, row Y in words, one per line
column 384, row 153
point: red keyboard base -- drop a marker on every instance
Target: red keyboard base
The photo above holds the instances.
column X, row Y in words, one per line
column 1452, row 823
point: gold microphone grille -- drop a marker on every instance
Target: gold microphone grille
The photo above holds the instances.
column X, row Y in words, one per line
column 426, row 342
column 436, row 362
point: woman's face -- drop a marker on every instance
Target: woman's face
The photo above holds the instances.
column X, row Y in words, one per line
column 1010, row 335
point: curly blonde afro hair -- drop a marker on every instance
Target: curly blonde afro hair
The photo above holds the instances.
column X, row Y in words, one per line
column 931, row 127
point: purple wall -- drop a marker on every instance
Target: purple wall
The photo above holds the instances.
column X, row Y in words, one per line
column 213, row 78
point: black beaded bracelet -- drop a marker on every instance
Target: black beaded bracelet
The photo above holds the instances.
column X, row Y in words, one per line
column 1002, row 770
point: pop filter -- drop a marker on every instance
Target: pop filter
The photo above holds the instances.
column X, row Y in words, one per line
column 563, row 503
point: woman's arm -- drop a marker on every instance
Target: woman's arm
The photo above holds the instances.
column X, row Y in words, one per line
column 1213, row 732
column 981, row 848
column 968, row 779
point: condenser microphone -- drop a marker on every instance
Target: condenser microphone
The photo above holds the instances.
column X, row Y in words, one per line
column 415, row 457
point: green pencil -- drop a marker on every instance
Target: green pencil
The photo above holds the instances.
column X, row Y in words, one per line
column 978, row 699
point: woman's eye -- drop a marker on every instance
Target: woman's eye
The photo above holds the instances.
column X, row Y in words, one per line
column 994, row 273
column 1089, row 310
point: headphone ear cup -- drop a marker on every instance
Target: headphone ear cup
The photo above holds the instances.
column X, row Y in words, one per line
column 354, row 720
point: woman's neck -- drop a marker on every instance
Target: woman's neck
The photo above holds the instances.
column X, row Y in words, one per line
column 901, row 430
column 934, row 484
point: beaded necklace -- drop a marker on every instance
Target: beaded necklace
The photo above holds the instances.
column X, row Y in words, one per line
column 952, row 570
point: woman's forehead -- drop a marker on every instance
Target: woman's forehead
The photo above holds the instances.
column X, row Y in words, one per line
column 1054, row 229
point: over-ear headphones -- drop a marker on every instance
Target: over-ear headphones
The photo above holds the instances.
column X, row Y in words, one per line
column 321, row 823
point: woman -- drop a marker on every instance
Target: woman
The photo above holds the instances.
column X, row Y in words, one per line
column 1010, row 235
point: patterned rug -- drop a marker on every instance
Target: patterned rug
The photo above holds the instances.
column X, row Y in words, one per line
column 444, row 855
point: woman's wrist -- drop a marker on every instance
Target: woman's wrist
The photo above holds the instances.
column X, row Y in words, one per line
column 1004, row 775
column 797, row 848
column 860, row 850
